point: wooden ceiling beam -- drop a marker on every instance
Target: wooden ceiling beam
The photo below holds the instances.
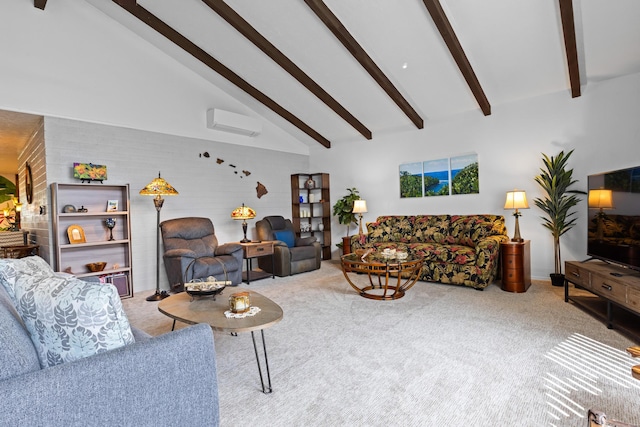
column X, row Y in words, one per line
column 174, row 36
column 40, row 4
column 126, row 3
column 448, row 34
column 342, row 34
column 570, row 46
column 244, row 28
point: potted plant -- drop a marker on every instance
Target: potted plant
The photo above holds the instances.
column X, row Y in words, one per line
column 343, row 209
column 557, row 203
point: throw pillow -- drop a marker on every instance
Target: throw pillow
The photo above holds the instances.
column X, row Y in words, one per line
column 69, row 319
column 11, row 269
column 285, row 236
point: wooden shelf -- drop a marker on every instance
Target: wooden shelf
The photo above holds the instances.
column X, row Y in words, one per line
column 116, row 253
column 319, row 210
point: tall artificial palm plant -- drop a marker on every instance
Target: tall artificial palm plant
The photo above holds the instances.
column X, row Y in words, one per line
column 555, row 180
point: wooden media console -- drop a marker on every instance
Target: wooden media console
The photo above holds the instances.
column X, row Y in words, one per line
column 609, row 292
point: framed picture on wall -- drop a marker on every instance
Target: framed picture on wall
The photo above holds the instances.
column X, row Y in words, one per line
column 87, row 172
column 436, row 177
column 411, row 180
column 464, row 174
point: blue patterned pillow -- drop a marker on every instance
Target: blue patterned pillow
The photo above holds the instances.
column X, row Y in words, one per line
column 69, row 319
column 285, row 236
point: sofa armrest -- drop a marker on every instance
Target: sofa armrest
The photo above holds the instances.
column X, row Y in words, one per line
column 139, row 335
column 167, row 380
column 487, row 257
column 359, row 242
column 228, row 249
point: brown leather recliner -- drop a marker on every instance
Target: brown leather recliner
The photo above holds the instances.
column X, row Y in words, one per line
column 291, row 254
column 191, row 251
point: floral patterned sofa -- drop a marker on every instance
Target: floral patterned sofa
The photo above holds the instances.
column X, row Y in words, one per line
column 458, row 249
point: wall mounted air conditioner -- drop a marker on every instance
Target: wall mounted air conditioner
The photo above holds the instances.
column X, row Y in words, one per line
column 227, row 121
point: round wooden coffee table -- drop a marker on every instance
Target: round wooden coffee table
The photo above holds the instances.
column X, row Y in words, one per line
column 388, row 278
column 185, row 308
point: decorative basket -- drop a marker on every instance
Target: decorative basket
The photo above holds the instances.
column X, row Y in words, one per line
column 205, row 287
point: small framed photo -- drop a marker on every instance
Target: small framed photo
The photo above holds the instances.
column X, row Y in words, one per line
column 76, row 234
column 112, row 205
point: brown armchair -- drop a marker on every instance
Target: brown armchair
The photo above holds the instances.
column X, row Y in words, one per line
column 291, row 254
column 191, row 251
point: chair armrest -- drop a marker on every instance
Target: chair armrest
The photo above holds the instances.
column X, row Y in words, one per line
column 126, row 386
column 228, row 249
column 180, row 253
column 279, row 243
column 306, row 241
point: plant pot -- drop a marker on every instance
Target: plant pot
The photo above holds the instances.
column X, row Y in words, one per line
column 557, row 279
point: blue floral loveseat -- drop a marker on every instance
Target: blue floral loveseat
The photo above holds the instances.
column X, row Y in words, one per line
column 457, row 249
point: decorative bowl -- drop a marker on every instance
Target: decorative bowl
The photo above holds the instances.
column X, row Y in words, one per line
column 96, row 266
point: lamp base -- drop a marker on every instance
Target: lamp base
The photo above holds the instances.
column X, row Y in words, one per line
column 245, row 240
column 158, row 296
column 517, row 239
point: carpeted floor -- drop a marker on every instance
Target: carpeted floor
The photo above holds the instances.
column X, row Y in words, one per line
column 442, row 355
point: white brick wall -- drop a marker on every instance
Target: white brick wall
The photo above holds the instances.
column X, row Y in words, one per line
column 206, row 188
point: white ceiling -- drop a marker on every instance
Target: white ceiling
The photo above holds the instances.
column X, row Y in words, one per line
column 515, row 47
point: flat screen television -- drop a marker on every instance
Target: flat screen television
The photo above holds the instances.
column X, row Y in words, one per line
column 614, row 217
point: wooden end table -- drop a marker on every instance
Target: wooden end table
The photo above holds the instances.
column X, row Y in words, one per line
column 19, row 251
column 251, row 250
column 185, row 308
column 516, row 266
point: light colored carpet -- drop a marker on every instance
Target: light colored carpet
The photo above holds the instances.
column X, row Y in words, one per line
column 442, row 355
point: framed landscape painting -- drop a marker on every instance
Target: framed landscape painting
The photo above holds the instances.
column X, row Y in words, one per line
column 436, row 177
column 440, row 177
column 411, row 180
column 464, row 174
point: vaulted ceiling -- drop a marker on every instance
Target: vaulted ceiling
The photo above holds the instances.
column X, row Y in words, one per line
column 348, row 70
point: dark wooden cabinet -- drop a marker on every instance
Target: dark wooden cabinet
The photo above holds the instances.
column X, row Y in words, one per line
column 311, row 208
column 516, row 266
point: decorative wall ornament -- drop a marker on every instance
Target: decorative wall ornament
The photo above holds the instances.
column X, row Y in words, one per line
column 261, row 190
